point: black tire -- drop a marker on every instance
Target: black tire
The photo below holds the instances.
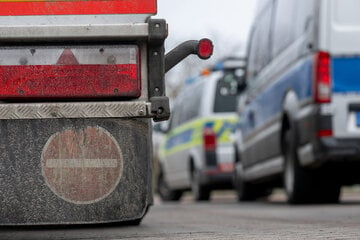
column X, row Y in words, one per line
column 247, row 191
column 297, row 181
column 166, row 194
column 306, row 185
column 199, row 191
column 243, row 189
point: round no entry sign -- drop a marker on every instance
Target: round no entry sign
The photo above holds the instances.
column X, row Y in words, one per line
column 82, row 166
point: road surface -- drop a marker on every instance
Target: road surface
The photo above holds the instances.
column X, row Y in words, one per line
column 224, row 218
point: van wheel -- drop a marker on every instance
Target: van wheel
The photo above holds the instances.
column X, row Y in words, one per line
column 248, row 191
column 243, row 189
column 165, row 193
column 306, row 185
column 200, row 192
column 296, row 179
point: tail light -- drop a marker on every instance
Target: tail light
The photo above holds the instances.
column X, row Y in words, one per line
column 322, row 78
column 70, row 72
column 323, row 133
column 205, row 48
column 209, row 137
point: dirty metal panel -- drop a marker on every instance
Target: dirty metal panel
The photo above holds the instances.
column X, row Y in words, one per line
column 70, row 72
column 67, row 30
column 76, row 7
column 73, row 110
column 74, row 12
column 68, row 171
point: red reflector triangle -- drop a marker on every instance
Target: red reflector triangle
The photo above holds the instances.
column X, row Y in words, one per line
column 67, row 58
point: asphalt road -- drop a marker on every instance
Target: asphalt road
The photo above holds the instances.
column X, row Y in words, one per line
column 224, row 218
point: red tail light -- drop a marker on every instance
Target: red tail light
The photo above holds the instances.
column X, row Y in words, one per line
column 322, row 78
column 75, row 72
column 205, row 48
column 209, row 137
column 324, row 133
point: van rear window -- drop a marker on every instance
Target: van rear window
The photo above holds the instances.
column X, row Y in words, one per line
column 226, row 94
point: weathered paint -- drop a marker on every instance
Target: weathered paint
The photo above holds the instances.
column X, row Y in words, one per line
column 25, row 196
column 75, row 7
column 82, row 166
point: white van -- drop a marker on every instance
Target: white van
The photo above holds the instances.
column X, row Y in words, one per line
column 301, row 116
column 197, row 152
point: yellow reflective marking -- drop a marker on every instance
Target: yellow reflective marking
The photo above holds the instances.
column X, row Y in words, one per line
column 196, row 126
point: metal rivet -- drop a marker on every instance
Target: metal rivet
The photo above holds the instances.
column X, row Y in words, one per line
column 157, row 25
column 141, row 112
column 23, row 61
column 21, row 92
column 157, row 89
column 156, row 53
column 160, row 110
column 116, row 90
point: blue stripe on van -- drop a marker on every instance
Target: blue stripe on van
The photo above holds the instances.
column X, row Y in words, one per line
column 179, row 139
column 346, row 74
column 269, row 103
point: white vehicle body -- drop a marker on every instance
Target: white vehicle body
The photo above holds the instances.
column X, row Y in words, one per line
column 303, row 95
column 205, row 105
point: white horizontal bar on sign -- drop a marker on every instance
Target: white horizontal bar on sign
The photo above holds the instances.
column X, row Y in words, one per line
column 78, row 32
column 81, row 163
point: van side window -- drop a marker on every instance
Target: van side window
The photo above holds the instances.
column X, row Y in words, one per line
column 305, row 10
column 260, row 45
column 188, row 107
column 194, row 102
column 226, row 94
column 284, row 33
column 175, row 117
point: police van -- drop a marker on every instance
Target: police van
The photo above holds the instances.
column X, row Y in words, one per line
column 197, row 152
column 301, row 114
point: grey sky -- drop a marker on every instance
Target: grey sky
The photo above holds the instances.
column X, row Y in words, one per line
column 225, row 22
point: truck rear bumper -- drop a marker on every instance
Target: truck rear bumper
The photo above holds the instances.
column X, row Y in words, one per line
column 330, row 150
column 217, row 180
column 315, row 149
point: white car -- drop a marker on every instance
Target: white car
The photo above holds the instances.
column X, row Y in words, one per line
column 197, row 152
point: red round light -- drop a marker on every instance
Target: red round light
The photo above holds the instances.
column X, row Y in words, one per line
column 205, row 48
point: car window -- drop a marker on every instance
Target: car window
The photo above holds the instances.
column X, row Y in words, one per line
column 284, row 33
column 260, row 44
column 194, row 102
column 305, row 10
column 226, row 93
